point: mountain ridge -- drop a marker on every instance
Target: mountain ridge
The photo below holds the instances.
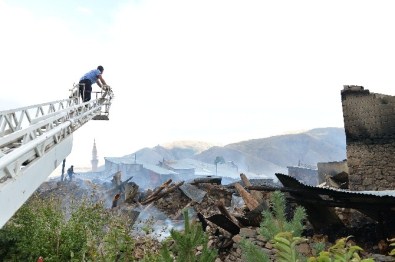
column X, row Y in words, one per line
column 261, row 156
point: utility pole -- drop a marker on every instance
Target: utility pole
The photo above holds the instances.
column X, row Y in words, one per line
column 63, row 165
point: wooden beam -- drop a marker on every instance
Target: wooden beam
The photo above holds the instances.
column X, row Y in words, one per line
column 249, row 200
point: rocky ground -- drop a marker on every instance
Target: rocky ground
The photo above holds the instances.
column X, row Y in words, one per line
column 165, row 213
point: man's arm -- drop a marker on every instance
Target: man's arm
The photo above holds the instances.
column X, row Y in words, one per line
column 102, row 82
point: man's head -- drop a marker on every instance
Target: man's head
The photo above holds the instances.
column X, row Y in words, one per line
column 101, row 69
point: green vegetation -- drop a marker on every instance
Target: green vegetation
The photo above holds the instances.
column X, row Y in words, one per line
column 340, row 252
column 252, row 253
column 392, row 243
column 276, row 228
column 274, row 219
column 286, row 235
column 318, row 247
column 88, row 233
column 186, row 244
column 285, row 243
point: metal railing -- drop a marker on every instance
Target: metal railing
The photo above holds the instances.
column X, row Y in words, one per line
column 34, row 140
column 27, row 133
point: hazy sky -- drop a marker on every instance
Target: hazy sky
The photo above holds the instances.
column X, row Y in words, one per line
column 218, row 71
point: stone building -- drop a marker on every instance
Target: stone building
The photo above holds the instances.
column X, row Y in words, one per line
column 369, row 122
column 178, row 167
column 305, row 174
column 145, row 175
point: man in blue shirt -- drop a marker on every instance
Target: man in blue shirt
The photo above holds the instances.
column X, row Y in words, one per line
column 90, row 78
column 70, row 172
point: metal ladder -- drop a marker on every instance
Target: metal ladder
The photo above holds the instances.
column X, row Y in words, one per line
column 35, row 139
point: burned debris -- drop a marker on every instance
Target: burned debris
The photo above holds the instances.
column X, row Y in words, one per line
column 232, row 212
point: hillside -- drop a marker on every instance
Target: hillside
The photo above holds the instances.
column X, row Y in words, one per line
column 261, row 156
column 311, row 147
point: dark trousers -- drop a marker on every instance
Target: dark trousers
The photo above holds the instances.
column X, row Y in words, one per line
column 85, row 88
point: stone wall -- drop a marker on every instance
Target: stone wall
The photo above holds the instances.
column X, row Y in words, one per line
column 330, row 169
column 369, row 122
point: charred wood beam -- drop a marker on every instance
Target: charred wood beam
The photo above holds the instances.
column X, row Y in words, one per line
column 160, row 188
column 253, row 217
column 162, row 193
column 258, row 195
column 115, row 200
column 249, row 200
column 209, row 180
column 225, row 212
column 225, row 223
column 203, row 221
column 121, row 185
column 131, row 190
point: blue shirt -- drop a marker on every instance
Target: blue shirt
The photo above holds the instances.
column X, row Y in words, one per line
column 92, row 75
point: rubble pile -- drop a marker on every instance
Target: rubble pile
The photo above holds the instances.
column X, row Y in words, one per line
column 228, row 213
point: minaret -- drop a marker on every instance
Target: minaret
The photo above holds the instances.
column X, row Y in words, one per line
column 94, row 160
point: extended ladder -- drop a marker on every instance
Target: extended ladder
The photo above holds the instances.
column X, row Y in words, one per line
column 34, row 140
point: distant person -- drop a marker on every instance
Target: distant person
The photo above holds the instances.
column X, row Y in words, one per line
column 90, row 78
column 70, row 172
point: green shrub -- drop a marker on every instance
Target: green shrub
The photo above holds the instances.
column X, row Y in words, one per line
column 392, row 243
column 35, row 230
column 274, row 219
column 286, row 235
column 340, row 252
column 285, row 244
column 273, row 223
column 186, row 242
column 40, row 228
column 119, row 244
column 252, row 253
column 319, row 247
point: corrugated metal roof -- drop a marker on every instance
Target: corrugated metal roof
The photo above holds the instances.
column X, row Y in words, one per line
column 318, row 201
column 380, row 193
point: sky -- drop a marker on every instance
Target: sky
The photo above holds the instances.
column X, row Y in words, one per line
column 217, row 71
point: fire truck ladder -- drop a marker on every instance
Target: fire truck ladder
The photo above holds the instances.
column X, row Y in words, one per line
column 34, row 140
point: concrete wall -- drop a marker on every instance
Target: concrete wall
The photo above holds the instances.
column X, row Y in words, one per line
column 369, row 122
column 305, row 175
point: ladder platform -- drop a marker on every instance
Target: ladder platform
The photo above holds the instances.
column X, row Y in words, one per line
column 100, row 117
